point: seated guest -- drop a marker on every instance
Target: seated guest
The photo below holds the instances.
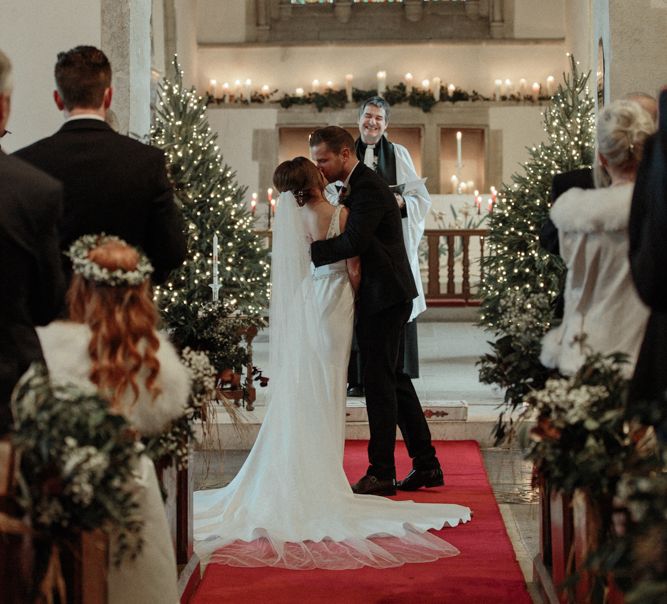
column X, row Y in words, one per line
column 113, row 183
column 32, row 284
column 112, row 342
column 603, row 312
column 648, row 256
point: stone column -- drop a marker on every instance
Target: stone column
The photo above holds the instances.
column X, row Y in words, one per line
column 126, row 40
column 497, row 19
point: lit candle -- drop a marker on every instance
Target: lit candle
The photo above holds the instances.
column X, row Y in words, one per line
column 273, row 206
column 471, row 185
column 550, row 85
column 508, row 87
column 408, row 83
column 536, row 90
column 455, row 183
column 490, row 208
column 237, row 87
column 248, row 90
column 497, row 91
column 253, row 203
column 426, row 85
column 436, row 88
column 382, row 82
column 269, row 196
column 348, row 87
column 299, row 92
column 215, row 286
column 463, row 187
column 315, row 87
column 225, row 92
column 213, row 84
column 494, row 194
column 459, row 155
column 265, row 89
column 451, row 89
column 523, row 86
column 329, row 84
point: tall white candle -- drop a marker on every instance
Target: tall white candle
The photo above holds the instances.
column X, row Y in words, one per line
column 455, row 183
column 247, row 90
column 408, row 82
column 213, row 85
column 348, row 87
column 315, row 86
column 436, row 88
column 459, row 155
column 523, row 86
column 426, row 85
column 382, row 82
column 299, row 92
column 535, row 90
column 215, row 286
column 451, row 89
column 508, row 87
column 551, row 85
column 497, row 90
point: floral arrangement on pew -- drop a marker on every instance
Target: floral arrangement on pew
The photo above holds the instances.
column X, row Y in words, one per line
column 173, row 443
column 76, row 460
column 580, row 438
column 589, row 439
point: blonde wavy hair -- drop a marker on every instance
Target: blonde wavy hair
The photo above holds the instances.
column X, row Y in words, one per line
column 123, row 322
column 622, row 128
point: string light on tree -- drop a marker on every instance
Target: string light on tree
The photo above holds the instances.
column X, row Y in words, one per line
column 517, row 271
column 212, row 203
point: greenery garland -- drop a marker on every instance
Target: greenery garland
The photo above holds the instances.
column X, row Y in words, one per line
column 77, row 460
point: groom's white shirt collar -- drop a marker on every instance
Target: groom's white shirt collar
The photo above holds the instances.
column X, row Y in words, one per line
column 84, row 116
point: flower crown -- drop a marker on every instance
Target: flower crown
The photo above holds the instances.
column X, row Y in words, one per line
column 84, row 266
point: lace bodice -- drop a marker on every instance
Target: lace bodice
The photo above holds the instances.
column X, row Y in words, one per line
column 325, row 270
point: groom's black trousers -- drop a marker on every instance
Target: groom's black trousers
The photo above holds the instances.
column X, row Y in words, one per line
column 391, row 399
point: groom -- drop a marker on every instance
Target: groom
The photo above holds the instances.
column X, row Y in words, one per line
column 374, row 233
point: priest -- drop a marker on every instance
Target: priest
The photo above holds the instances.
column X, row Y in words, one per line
column 393, row 163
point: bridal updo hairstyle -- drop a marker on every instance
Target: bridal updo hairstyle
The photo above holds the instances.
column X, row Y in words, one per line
column 622, row 128
column 123, row 322
column 300, row 176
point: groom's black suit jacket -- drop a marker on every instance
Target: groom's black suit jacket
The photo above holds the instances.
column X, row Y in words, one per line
column 113, row 184
column 373, row 232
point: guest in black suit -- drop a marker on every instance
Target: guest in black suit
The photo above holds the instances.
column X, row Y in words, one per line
column 32, row 284
column 112, row 183
column 648, row 258
column 374, row 233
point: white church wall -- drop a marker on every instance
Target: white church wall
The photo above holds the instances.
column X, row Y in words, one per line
column 32, row 32
column 539, row 18
column 186, row 39
column 522, row 127
column 218, row 21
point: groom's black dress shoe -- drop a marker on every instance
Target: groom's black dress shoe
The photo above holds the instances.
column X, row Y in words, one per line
column 371, row 485
column 421, row 478
column 355, row 391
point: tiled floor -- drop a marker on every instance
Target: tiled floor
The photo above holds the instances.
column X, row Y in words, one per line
column 448, row 353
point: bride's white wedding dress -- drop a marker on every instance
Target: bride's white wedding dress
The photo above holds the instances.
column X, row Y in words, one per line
column 291, row 504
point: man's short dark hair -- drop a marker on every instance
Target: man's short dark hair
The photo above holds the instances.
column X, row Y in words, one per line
column 82, row 75
column 334, row 137
column 376, row 101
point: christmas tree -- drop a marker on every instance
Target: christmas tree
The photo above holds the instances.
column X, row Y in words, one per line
column 521, row 279
column 213, row 295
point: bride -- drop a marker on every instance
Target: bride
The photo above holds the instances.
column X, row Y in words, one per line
column 291, row 505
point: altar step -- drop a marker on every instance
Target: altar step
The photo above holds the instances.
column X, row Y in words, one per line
column 448, row 420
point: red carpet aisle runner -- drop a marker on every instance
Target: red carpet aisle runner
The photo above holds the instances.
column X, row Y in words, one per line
column 485, row 572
